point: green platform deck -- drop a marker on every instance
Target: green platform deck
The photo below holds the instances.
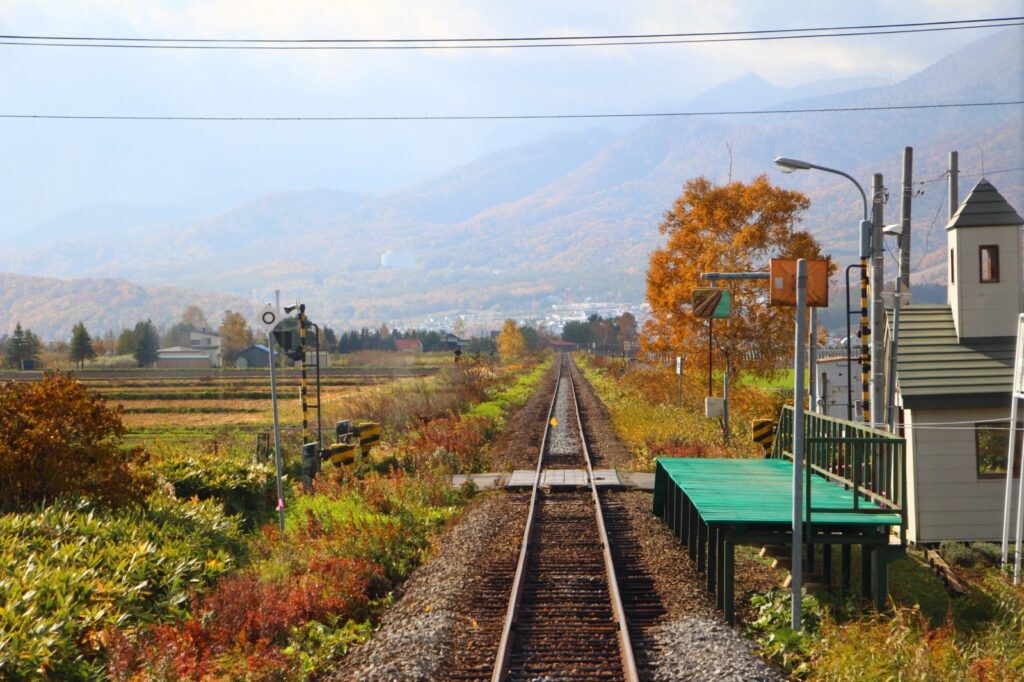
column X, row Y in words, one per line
column 757, row 492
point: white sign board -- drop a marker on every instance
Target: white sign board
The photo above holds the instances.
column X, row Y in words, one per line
column 679, row 365
column 1018, row 365
column 268, row 318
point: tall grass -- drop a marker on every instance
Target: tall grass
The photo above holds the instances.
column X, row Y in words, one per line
column 648, row 415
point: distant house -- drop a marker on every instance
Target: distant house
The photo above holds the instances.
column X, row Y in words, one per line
column 182, row 357
column 256, row 355
column 206, row 341
column 451, row 342
column 954, row 375
column 409, row 345
column 562, row 346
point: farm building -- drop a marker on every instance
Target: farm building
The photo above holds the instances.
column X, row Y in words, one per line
column 256, row 355
column 451, row 342
column 180, row 357
column 954, row 374
column 207, row 342
column 408, row 345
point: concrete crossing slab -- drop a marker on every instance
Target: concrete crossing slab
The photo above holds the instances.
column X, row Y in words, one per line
column 521, row 479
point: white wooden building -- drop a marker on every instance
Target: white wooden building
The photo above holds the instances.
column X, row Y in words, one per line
column 954, row 374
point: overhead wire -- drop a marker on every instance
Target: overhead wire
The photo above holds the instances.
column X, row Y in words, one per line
column 494, row 43
column 514, row 38
column 510, row 117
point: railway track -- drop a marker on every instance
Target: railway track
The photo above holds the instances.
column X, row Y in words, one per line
column 565, row 618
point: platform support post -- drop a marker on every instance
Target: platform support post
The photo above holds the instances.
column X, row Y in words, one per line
column 727, row 576
column 702, row 543
column 865, row 571
column 712, row 557
column 826, row 564
column 846, row 559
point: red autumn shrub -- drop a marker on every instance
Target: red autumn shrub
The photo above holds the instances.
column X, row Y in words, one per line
column 456, row 435
column 242, row 625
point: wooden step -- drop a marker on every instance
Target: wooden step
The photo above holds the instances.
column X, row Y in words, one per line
column 774, row 551
column 809, row 579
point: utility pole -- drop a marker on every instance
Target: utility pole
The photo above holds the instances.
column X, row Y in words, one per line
column 797, row 554
column 905, row 206
column 812, row 360
column 877, row 409
column 954, row 183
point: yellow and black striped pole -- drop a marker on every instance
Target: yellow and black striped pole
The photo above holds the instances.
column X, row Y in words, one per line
column 302, row 361
column 865, row 341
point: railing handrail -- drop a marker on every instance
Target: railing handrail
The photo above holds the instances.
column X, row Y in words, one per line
column 873, row 461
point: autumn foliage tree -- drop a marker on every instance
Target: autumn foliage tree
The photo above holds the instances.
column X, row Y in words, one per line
column 56, row 439
column 511, row 345
column 235, row 335
column 735, row 227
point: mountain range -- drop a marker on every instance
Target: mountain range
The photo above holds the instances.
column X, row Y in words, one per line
column 567, row 217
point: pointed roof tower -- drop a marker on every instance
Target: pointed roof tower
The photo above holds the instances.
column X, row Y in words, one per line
column 985, row 278
column 984, row 207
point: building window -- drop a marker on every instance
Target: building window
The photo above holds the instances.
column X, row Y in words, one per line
column 952, row 267
column 993, row 445
column 989, row 262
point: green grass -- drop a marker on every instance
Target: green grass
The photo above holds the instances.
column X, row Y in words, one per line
column 782, row 378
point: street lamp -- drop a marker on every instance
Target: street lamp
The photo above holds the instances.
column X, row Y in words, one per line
column 788, row 165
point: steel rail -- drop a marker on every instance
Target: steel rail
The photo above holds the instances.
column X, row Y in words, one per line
column 625, row 645
column 502, row 660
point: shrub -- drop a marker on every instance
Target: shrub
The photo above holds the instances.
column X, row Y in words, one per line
column 455, row 442
column 219, row 472
column 309, row 593
column 73, row 571
column 989, row 553
column 957, row 554
column 58, row 440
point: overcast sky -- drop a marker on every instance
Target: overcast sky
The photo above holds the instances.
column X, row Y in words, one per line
column 49, row 166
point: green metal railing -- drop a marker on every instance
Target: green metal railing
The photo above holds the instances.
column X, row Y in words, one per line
column 870, row 463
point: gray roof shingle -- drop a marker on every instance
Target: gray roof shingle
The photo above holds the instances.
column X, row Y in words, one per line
column 933, row 363
column 984, row 207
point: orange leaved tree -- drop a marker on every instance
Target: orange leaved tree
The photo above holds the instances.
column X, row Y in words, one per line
column 58, row 440
column 736, row 227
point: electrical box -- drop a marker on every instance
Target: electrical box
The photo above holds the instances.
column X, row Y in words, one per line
column 714, row 407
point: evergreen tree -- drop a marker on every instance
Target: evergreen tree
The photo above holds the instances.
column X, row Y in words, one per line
column 81, row 345
column 147, row 344
column 127, row 342
column 22, row 348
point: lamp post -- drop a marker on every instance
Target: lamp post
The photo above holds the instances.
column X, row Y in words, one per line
column 787, row 165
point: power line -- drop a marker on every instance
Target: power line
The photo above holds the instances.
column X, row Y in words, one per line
column 507, row 117
column 498, row 43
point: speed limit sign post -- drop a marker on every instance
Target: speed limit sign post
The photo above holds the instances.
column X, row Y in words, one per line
column 267, row 320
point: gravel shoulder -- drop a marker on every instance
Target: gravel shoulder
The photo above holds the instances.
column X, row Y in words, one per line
column 516, row 447
column 435, row 626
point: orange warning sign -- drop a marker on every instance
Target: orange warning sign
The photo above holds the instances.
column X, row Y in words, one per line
column 782, row 285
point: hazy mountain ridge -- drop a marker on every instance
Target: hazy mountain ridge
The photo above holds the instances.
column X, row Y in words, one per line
column 50, row 307
column 576, row 213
